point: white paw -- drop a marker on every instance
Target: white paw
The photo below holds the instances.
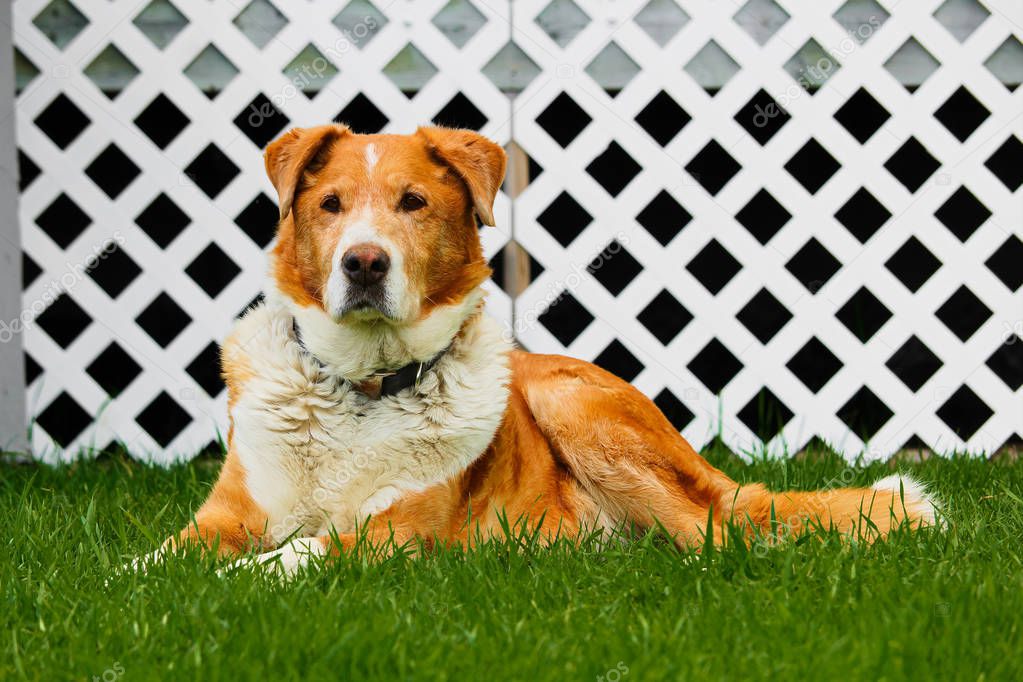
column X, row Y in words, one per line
column 286, row 560
column 141, row 564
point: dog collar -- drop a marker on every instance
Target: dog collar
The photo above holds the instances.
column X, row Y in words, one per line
column 392, row 381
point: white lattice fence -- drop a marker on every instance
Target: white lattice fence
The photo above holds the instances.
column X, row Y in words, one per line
column 834, row 258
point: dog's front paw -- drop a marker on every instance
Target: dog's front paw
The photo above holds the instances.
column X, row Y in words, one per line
column 284, row 561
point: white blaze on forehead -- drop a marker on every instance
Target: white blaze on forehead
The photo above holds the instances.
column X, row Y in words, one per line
column 371, row 157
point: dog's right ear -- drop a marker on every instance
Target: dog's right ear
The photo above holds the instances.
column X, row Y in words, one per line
column 287, row 157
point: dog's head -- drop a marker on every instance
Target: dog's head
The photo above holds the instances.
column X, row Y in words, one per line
column 381, row 228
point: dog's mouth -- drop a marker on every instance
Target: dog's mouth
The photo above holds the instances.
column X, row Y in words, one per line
column 366, row 304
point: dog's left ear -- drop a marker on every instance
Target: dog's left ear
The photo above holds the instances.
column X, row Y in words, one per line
column 478, row 161
column 287, row 157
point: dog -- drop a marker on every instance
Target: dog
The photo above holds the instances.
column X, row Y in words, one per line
column 370, row 396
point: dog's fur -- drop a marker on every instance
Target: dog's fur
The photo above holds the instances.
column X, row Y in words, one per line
column 556, row 443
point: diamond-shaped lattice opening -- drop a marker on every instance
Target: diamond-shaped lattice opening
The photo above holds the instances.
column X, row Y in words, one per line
column 912, row 164
column 261, row 121
column 618, row 360
column 612, row 68
column 814, row 364
column 566, row 318
column 24, row 71
column 211, row 71
column 310, row 71
column 765, row 415
column 460, row 112
column 664, row 317
column 862, row 115
column 811, row 66
column 715, row 366
column 63, row 320
column 913, row 264
column 564, row 219
column 713, row 167
column 362, row 116
column 861, row 18
column 813, row 265
column 764, row 316
column 260, row 21
column 160, row 21
column 212, row 270
column 661, row 20
column 863, row 215
column 205, row 370
column 663, row 217
column 63, row 220
column 763, row 216
column 673, row 409
column 113, row 270
column 1005, row 262
column 712, row 67
column 111, row 71
column 29, row 270
column 964, row 412
column 563, row 119
column 962, row 213
column 714, row 266
column 162, row 121
column 511, row 69
column 864, row 413
column 360, row 21
column 409, row 70
column 212, row 171
column 662, row 118
column 961, row 17
column 762, row 117
column 112, row 171
column 812, row 166
column 113, row 369
column 459, row 21
column 511, row 255
column 962, row 114
column 163, row 320
column 163, row 419
column 963, row 313
column 863, row 314
column 1007, row 362
column 259, row 220
column 163, row 220
column 28, row 171
column 61, row 22
column 62, row 121
column 32, row 370
column 562, row 20
column 914, row 363
column 614, row 267
column 64, row 419
column 912, row 64
column 761, row 19
column 614, row 169
column 1007, row 163
column 1006, row 63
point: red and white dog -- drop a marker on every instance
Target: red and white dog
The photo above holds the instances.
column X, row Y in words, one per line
column 371, row 385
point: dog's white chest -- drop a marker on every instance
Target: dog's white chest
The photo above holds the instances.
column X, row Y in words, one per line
column 319, row 454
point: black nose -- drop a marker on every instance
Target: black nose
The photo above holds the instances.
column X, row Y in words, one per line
column 365, row 264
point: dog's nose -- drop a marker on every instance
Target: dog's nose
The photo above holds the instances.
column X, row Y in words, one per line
column 365, row 264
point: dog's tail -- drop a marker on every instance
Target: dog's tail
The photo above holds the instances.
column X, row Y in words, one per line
column 868, row 513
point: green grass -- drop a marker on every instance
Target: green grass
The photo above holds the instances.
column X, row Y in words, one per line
column 922, row 605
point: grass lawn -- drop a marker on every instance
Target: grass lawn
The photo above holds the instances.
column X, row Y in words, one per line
column 923, row 605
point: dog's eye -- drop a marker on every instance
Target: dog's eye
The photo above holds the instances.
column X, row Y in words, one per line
column 331, row 203
column 412, row 202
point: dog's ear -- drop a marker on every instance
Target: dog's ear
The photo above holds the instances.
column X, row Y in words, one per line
column 287, row 157
column 477, row 161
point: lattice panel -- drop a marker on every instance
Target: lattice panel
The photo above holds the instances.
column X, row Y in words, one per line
column 773, row 260
column 145, row 212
